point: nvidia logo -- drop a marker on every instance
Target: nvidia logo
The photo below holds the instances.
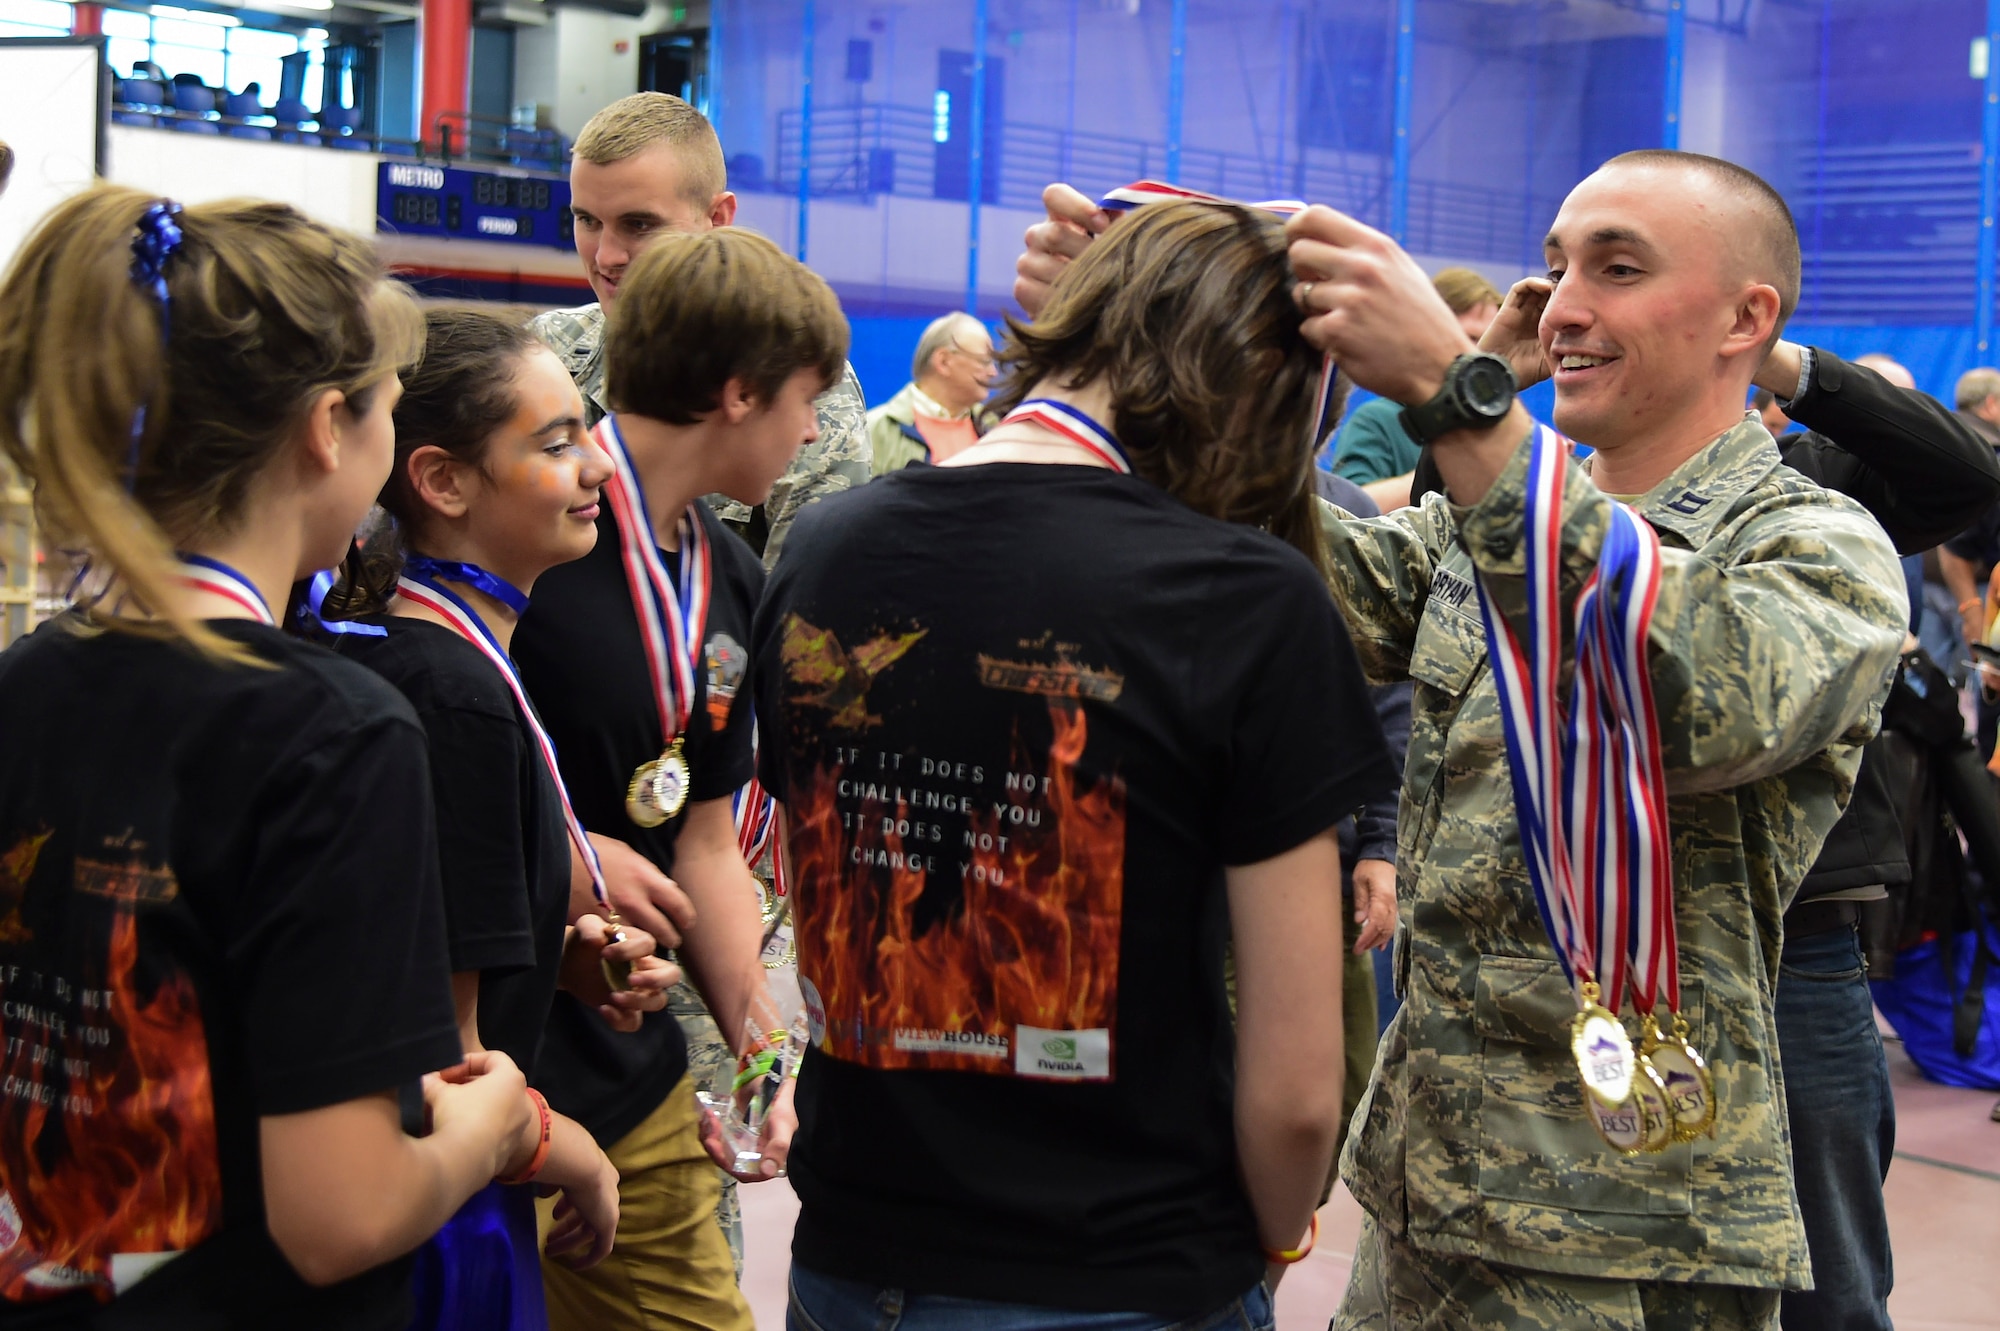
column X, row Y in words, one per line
column 1060, row 1046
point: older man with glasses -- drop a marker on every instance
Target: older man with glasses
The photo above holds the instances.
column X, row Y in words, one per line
column 936, row 413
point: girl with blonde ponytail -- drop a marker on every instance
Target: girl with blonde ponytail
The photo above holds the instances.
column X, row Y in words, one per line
column 224, row 997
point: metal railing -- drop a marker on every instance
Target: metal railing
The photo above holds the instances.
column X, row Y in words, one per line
column 310, row 132
column 494, row 139
column 476, row 141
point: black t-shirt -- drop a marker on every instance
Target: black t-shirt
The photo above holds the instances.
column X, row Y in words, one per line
column 581, row 657
column 218, row 900
column 1020, row 718
column 503, row 850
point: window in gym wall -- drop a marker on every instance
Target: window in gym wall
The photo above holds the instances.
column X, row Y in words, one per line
column 254, row 56
column 216, row 48
column 128, row 40
column 192, row 42
column 34, row 18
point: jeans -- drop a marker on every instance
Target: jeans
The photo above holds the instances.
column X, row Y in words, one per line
column 822, row 1303
column 1843, row 1122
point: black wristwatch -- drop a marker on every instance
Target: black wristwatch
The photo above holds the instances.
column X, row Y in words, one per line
column 1478, row 392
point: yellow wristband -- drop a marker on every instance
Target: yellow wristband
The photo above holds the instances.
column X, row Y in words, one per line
column 1288, row 1256
column 1967, row 604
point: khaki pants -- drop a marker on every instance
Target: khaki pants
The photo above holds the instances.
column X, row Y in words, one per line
column 671, row 1268
column 1397, row 1287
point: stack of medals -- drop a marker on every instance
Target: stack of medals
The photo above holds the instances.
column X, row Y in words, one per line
column 1590, row 793
column 422, row 584
column 671, row 623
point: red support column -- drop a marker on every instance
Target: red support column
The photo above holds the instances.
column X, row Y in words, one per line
column 447, row 60
column 86, row 19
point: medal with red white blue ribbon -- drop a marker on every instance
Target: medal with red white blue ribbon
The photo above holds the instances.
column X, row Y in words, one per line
column 1614, row 615
column 1075, row 426
column 671, row 623
column 1590, row 796
column 218, row 579
column 419, row 587
column 1142, row 192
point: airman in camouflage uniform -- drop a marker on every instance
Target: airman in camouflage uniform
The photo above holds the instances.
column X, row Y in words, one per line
column 838, row 460
column 1779, row 620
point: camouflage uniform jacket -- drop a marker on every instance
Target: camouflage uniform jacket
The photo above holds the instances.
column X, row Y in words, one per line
column 838, row 460
column 1779, row 620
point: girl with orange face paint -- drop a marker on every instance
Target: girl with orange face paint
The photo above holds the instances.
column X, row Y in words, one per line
column 496, row 481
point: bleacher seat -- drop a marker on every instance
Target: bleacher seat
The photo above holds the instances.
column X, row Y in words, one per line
column 192, row 99
column 138, row 93
column 339, row 119
column 290, row 112
column 243, row 105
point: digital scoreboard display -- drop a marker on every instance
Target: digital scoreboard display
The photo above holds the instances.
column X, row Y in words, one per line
column 418, row 200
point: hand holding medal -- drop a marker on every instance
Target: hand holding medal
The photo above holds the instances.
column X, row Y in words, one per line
column 1590, row 793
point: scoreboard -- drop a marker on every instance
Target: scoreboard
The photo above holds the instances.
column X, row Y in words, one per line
column 420, row 200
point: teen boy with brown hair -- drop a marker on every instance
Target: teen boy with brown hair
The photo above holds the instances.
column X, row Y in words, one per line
column 717, row 348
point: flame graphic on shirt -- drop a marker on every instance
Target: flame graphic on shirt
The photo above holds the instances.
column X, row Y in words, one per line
column 1033, row 939
column 836, row 678
column 119, row 1156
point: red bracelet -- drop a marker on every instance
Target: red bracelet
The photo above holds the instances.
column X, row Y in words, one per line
column 541, row 1155
column 1287, row 1256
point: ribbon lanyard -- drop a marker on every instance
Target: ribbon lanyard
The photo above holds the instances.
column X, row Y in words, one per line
column 212, row 575
column 452, row 570
column 671, row 619
column 1590, row 794
column 1074, row 426
column 1142, row 192
column 415, row 586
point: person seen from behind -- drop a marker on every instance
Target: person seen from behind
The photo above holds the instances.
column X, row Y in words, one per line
column 222, row 956
column 1053, row 724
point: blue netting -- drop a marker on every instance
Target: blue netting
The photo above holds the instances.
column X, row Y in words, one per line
column 1865, row 115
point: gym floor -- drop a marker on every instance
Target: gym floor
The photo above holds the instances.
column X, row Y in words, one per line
column 1944, row 1216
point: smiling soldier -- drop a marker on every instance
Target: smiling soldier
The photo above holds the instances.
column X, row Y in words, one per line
column 1491, row 1201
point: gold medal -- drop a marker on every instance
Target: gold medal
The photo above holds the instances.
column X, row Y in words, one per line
column 1603, row 1052
column 1684, row 1074
column 1656, row 1116
column 617, row 974
column 1622, row 1126
column 659, row 789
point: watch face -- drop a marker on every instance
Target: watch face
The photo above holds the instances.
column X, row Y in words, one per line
column 1487, row 388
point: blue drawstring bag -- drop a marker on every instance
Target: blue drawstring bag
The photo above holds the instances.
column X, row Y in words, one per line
column 1945, row 1004
column 483, row 1270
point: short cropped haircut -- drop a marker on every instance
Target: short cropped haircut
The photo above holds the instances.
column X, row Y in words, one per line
column 1777, row 247
column 697, row 309
column 1465, row 290
column 943, row 332
column 633, row 124
column 1975, row 386
column 1184, row 312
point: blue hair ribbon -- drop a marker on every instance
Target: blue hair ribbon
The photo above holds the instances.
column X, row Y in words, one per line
column 158, row 239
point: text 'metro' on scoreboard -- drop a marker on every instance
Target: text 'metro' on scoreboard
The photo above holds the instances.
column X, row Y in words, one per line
column 417, row 200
